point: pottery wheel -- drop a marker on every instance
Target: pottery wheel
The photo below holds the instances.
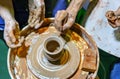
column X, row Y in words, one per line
column 42, row 68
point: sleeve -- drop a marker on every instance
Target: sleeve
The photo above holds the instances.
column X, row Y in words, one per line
column 60, row 5
column 2, row 24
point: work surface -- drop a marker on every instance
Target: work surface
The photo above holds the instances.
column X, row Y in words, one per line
column 106, row 37
column 106, row 61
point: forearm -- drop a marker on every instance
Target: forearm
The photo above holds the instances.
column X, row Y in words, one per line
column 75, row 5
column 6, row 14
column 6, row 10
column 35, row 3
column 39, row 3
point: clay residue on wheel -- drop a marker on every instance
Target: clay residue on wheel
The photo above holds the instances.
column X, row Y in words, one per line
column 113, row 17
column 21, row 70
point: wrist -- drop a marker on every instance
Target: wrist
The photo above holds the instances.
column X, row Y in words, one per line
column 76, row 5
column 9, row 19
column 72, row 11
column 10, row 22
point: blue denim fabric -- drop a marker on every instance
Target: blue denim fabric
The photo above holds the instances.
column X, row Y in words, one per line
column 61, row 5
column 2, row 24
column 85, row 5
column 115, row 72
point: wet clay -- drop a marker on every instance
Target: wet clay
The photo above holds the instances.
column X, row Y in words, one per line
column 72, row 35
column 70, row 62
column 52, row 46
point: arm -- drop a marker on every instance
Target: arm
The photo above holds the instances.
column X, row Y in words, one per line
column 76, row 5
column 11, row 31
column 37, row 13
column 68, row 16
column 6, row 7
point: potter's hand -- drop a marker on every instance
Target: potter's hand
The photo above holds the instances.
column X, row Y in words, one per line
column 37, row 13
column 64, row 19
column 11, row 34
column 11, row 30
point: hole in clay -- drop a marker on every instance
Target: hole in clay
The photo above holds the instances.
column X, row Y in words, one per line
column 52, row 46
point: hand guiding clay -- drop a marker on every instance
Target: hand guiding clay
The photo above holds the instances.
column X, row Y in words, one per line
column 11, row 34
column 64, row 19
column 37, row 13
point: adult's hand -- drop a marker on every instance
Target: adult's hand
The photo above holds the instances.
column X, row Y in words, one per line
column 64, row 19
column 11, row 30
column 37, row 13
column 11, row 34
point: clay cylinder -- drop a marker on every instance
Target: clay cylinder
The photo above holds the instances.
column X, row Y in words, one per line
column 53, row 47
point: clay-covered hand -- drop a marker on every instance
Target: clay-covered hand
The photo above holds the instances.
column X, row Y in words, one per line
column 113, row 18
column 11, row 34
column 64, row 19
column 37, row 13
column 11, row 30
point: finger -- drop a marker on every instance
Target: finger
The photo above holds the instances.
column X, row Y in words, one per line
column 9, row 42
column 12, row 36
column 33, row 16
column 58, row 14
column 30, row 19
column 60, row 17
column 13, row 45
column 17, row 31
column 30, row 16
column 38, row 25
column 21, row 39
column 34, row 24
column 68, row 24
column 7, row 39
column 36, row 17
column 58, row 24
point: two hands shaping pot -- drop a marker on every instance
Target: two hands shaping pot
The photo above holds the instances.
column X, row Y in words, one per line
column 64, row 19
